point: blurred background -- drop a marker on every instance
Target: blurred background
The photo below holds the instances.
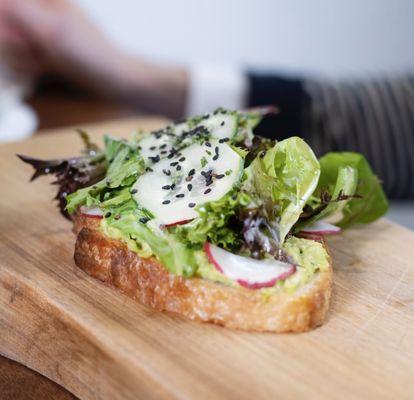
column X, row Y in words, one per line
column 65, row 63
column 319, row 36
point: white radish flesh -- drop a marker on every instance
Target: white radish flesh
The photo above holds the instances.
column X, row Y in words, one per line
column 248, row 272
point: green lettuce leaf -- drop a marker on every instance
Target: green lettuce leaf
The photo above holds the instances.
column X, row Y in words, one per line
column 213, row 223
column 371, row 202
column 125, row 222
column 286, row 175
column 125, row 165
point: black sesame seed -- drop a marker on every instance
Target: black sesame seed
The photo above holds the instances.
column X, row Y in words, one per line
column 166, row 187
column 262, row 154
column 155, row 159
column 117, row 217
column 222, row 123
column 189, row 187
column 191, row 205
column 148, row 169
column 127, row 158
column 178, row 167
column 219, row 176
column 180, row 195
column 166, row 172
column 208, row 144
column 164, row 152
column 171, row 155
column 216, row 157
column 207, row 191
column 224, row 140
column 107, row 215
column 173, row 186
column 166, row 202
column 173, row 164
column 163, row 146
column 152, row 148
column 216, row 150
column 189, row 178
column 144, row 220
column 133, row 191
column 192, row 172
column 182, row 159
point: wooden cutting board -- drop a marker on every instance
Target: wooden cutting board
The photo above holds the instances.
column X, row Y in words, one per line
column 99, row 344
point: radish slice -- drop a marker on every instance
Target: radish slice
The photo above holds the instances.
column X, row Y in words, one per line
column 322, row 228
column 248, row 272
column 93, row 212
column 183, row 222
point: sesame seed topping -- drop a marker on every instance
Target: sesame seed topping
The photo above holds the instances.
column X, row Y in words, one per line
column 166, row 172
column 182, row 159
column 189, row 187
column 172, row 186
column 178, row 167
column 144, row 220
column 215, row 158
column 155, row 159
column 262, row 154
column 166, row 202
column 133, row 191
column 216, row 150
column 163, row 146
column 189, row 178
column 219, row 176
column 224, row 140
column 207, row 191
column 192, row 172
column 166, row 187
column 107, row 215
column 148, row 169
column 208, row 144
column 180, row 195
column 152, row 148
column 191, row 205
column 222, row 123
column 173, row 164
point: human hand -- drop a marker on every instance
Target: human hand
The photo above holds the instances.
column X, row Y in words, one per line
column 55, row 36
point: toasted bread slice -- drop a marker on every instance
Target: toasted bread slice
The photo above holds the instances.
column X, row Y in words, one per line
column 147, row 281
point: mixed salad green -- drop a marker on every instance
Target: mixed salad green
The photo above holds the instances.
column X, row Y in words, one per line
column 210, row 180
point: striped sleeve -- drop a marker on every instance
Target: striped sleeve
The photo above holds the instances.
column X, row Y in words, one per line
column 374, row 117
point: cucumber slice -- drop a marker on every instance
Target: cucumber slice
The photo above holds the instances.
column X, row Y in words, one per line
column 156, row 146
column 198, row 174
column 221, row 125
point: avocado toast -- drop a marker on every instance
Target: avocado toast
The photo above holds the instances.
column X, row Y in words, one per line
column 204, row 219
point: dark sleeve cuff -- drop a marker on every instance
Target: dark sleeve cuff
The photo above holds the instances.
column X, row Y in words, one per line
column 289, row 97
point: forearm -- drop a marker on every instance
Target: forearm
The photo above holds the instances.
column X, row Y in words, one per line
column 151, row 87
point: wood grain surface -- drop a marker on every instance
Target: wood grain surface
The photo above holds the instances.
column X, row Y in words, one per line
column 100, row 344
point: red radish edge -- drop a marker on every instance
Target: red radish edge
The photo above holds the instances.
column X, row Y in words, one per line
column 242, row 282
column 210, row 257
column 183, row 222
column 311, row 236
column 85, row 211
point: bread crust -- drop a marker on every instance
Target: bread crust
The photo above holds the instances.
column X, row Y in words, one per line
column 147, row 281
